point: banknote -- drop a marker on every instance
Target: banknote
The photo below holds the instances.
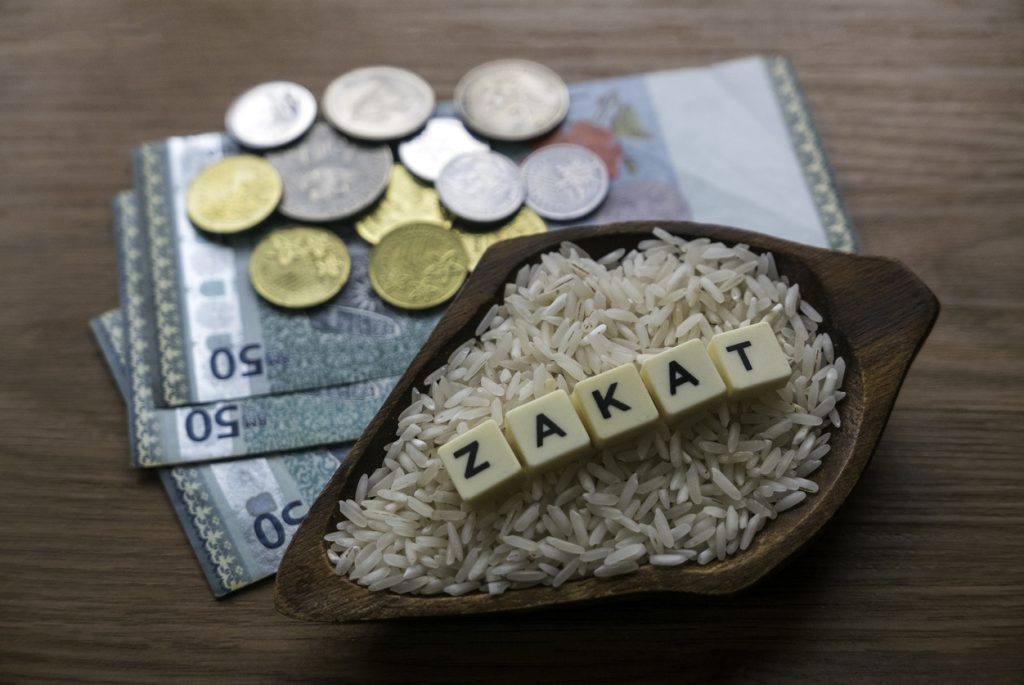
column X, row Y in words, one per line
column 217, row 338
column 108, row 329
column 732, row 143
column 238, row 515
column 218, row 430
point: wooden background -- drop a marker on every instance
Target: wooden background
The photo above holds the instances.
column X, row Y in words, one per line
column 919, row 579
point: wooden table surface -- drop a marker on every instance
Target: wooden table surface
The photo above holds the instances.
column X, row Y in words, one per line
column 920, row 578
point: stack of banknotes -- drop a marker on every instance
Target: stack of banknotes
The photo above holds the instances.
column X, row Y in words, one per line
column 246, row 409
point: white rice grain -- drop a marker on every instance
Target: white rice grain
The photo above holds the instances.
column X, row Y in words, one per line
column 667, row 559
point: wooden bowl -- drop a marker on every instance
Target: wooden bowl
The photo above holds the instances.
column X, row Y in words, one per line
column 877, row 312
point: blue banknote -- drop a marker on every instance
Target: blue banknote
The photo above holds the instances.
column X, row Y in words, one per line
column 217, row 430
column 732, row 143
column 238, row 515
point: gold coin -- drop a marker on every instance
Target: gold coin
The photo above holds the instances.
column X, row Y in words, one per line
column 233, row 194
column 299, row 266
column 418, row 265
column 406, row 200
column 525, row 222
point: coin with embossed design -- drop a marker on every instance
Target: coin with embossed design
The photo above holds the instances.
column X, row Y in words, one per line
column 378, row 103
column 564, row 182
column 329, row 177
column 476, row 242
column 233, row 194
column 271, row 114
column 481, row 186
column 512, row 99
column 299, row 266
column 405, row 200
column 418, row 265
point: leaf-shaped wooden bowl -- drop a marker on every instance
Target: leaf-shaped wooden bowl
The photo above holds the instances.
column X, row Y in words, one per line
column 877, row 312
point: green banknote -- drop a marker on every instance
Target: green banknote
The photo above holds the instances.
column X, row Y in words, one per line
column 238, row 515
column 217, row 430
column 217, row 338
column 732, row 143
column 108, row 329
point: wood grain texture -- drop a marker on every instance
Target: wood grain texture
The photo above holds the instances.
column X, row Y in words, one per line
column 919, row 578
column 876, row 311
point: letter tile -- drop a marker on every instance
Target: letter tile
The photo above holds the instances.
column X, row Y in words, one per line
column 750, row 359
column 546, row 432
column 682, row 380
column 614, row 405
column 481, row 463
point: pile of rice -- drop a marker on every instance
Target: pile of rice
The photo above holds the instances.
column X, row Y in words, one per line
column 693, row 492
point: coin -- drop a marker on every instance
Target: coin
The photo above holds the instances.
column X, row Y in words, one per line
column 476, row 242
column 233, row 194
column 378, row 103
column 329, row 177
column 511, row 99
column 405, row 200
column 564, row 182
column 481, row 186
column 299, row 266
column 271, row 114
column 418, row 265
column 443, row 139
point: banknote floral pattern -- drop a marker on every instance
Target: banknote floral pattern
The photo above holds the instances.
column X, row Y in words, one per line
column 614, row 120
column 617, row 126
column 224, row 564
column 598, row 139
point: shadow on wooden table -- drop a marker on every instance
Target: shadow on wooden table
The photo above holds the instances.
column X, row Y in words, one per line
column 753, row 634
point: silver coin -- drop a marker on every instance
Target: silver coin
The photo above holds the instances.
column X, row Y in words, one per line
column 327, row 177
column 442, row 140
column 270, row 115
column 481, row 186
column 378, row 103
column 512, row 99
column 564, row 182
